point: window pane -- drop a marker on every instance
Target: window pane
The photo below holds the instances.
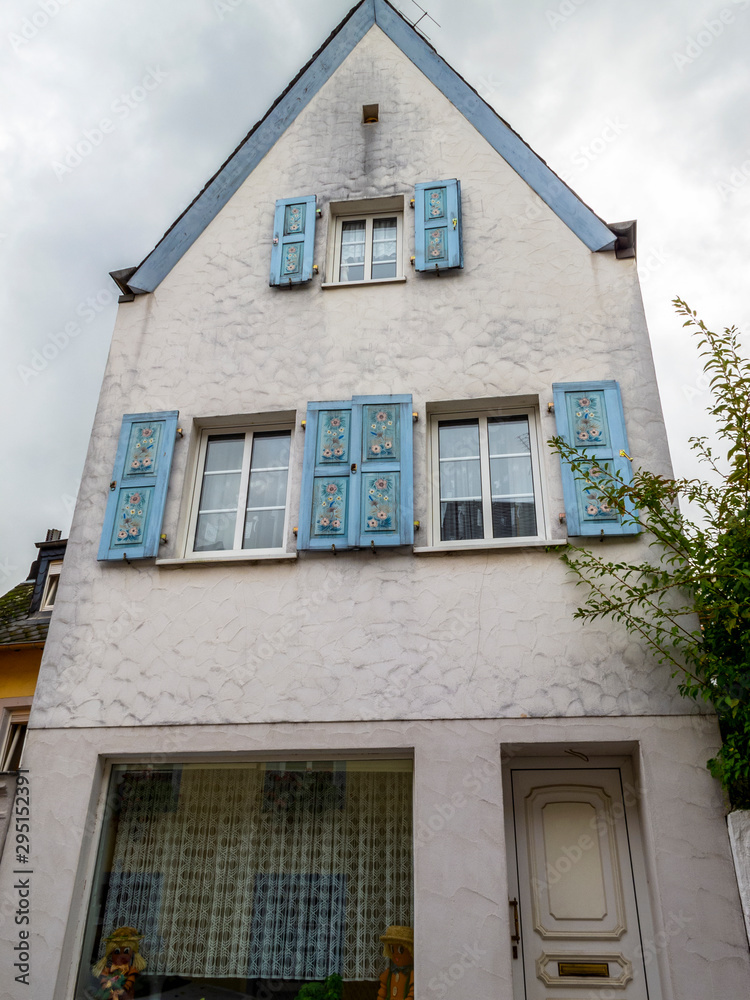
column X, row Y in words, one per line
column 264, row 529
column 267, row 489
column 460, row 480
column 224, row 452
column 461, row 519
column 511, row 477
column 11, row 757
column 352, row 251
column 509, row 435
column 220, row 491
column 513, row 518
column 384, row 258
column 239, row 874
column 269, row 471
column 513, row 507
column 215, row 532
column 51, row 596
column 271, row 450
column 459, row 439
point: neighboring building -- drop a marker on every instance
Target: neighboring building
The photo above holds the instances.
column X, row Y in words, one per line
column 24, row 619
column 272, row 719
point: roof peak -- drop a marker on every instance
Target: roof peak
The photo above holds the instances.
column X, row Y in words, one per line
column 318, row 70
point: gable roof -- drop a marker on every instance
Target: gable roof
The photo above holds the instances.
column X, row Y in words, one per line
column 231, row 175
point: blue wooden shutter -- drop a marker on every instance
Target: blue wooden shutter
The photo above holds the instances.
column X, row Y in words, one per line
column 437, row 221
column 357, row 481
column 383, row 491
column 293, row 241
column 326, row 475
column 590, row 417
column 138, row 491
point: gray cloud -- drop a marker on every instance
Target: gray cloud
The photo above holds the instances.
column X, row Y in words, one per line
column 673, row 74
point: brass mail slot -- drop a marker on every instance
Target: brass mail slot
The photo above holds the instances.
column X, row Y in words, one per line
column 592, row 970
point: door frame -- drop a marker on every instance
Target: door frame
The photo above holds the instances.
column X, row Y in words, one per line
column 563, row 761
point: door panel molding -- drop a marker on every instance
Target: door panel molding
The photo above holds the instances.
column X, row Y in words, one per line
column 574, row 856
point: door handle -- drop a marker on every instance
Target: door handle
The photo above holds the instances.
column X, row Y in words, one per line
column 515, row 938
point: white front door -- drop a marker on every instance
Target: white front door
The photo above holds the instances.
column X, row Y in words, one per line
column 573, row 886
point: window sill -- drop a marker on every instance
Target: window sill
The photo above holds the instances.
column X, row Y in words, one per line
column 373, row 281
column 234, row 558
column 514, row 543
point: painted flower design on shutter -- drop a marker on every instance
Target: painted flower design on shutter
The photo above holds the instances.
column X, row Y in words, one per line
column 294, row 219
column 381, row 432
column 143, row 449
column 380, row 502
column 593, row 506
column 435, row 204
column 436, row 244
column 329, row 506
column 333, row 437
column 292, row 259
column 589, row 426
column 131, row 516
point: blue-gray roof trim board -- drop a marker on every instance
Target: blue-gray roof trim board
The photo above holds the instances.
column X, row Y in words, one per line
column 589, row 228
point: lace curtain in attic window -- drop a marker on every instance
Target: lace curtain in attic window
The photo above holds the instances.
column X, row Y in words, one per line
column 233, row 883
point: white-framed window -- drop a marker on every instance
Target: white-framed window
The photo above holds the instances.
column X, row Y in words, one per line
column 486, row 476
column 13, row 728
column 49, row 594
column 240, row 497
column 366, row 242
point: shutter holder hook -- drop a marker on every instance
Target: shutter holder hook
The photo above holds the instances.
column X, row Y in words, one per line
column 372, row 547
column 125, row 557
column 333, row 547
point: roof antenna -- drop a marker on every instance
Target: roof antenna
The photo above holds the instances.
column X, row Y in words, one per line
column 424, row 14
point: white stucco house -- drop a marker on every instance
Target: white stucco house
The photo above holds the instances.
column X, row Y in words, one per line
column 314, row 670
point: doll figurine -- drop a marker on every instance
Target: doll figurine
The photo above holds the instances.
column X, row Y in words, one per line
column 120, row 966
column 397, row 982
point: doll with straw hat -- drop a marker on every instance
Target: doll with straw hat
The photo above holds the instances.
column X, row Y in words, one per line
column 121, row 964
column 397, row 982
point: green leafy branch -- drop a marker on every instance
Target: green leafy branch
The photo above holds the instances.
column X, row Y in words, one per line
column 689, row 599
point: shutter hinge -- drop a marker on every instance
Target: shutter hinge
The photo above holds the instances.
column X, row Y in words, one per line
column 550, row 407
column 411, row 203
column 113, row 484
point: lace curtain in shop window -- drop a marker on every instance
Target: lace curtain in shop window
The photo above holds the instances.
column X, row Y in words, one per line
column 241, row 878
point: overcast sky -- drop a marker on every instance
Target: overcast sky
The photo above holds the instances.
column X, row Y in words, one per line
column 642, row 107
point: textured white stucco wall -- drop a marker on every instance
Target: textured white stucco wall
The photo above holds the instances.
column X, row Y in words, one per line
column 479, row 649
column 466, row 635
column 698, row 939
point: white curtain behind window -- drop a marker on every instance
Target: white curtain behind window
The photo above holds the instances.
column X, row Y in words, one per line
column 246, row 872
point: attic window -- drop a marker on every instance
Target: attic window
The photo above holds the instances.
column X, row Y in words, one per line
column 370, row 114
column 50, row 586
